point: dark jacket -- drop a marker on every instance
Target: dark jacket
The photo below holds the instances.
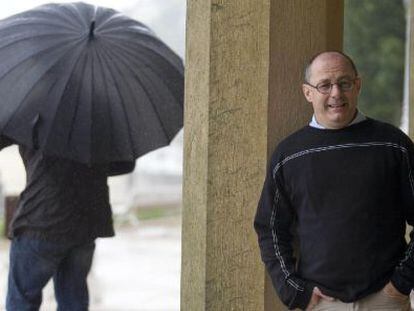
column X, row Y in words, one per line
column 63, row 200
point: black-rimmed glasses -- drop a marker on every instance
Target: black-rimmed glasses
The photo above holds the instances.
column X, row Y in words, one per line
column 326, row 87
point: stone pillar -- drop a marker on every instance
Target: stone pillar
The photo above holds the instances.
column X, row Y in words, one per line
column 243, row 94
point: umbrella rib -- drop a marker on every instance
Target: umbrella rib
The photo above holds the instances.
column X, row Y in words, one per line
column 40, row 36
column 68, row 12
column 144, row 46
column 60, row 101
column 132, row 58
column 110, row 19
column 95, row 52
column 130, row 51
column 35, row 22
column 77, row 99
column 121, row 99
column 27, row 94
column 23, row 99
column 74, row 13
column 127, row 26
column 40, row 51
column 72, row 124
column 31, row 36
column 146, row 92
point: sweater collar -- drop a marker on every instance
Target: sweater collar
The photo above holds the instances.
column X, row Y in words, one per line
column 358, row 118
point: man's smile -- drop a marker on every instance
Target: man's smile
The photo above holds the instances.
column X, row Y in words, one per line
column 337, row 105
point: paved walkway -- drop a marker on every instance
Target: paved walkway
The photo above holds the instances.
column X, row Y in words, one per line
column 138, row 270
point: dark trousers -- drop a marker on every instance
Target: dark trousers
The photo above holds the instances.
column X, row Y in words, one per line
column 34, row 262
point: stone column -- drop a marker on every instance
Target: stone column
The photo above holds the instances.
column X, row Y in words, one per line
column 243, row 94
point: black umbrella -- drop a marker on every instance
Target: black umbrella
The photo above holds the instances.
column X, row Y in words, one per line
column 87, row 83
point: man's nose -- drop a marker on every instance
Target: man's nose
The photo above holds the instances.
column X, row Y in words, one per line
column 335, row 90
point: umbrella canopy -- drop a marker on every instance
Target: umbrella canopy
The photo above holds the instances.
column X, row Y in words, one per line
column 87, row 83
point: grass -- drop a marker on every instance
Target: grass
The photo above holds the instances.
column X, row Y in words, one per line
column 156, row 212
column 150, row 215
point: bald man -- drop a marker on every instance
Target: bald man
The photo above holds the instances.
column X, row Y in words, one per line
column 343, row 185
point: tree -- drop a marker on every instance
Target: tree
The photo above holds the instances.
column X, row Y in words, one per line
column 374, row 36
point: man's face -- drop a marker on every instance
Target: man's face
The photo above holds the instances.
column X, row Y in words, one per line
column 336, row 109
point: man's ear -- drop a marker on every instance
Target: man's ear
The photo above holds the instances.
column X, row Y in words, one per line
column 307, row 92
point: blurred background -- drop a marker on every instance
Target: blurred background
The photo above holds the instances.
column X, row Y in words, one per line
column 375, row 37
column 139, row 269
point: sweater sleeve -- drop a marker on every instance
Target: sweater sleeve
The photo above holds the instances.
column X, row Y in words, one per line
column 273, row 224
column 403, row 276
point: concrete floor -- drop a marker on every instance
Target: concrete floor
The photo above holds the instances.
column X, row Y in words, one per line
column 137, row 270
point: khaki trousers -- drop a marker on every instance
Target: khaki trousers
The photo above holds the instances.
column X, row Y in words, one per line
column 376, row 301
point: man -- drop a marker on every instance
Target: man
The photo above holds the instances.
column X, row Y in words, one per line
column 63, row 209
column 344, row 185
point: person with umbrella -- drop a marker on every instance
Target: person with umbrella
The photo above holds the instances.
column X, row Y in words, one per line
column 85, row 91
column 63, row 209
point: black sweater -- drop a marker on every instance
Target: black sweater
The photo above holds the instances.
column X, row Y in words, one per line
column 346, row 195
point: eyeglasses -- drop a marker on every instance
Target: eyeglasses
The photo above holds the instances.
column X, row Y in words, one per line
column 326, row 87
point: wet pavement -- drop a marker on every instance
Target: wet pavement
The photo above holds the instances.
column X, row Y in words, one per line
column 137, row 270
